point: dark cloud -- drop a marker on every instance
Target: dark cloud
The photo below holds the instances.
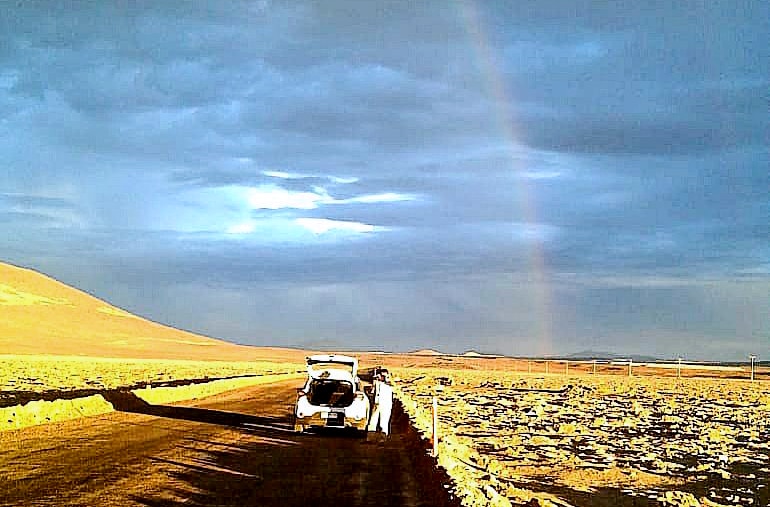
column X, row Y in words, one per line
column 609, row 159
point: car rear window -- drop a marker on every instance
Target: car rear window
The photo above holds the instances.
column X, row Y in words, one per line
column 333, row 393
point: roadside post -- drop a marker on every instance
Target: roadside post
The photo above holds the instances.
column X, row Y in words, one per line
column 594, row 367
column 752, row 357
column 435, row 427
column 546, row 365
column 566, row 367
column 529, row 366
column 679, row 367
column 630, row 363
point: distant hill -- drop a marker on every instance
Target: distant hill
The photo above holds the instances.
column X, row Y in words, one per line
column 427, row 352
column 39, row 315
column 473, row 353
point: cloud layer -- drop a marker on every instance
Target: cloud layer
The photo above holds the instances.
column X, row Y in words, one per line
column 521, row 177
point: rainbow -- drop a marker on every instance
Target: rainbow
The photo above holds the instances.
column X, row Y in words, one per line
column 489, row 70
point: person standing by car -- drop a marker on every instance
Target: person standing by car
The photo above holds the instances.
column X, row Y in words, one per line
column 383, row 403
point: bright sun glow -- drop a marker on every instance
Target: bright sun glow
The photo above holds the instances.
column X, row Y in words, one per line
column 324, row 225
column 272, row 197
column 376, row 198
column 343, row 180
column 294, row 176
column 281, row 174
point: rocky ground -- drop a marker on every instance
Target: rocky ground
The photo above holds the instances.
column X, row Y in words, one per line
column 597, row 440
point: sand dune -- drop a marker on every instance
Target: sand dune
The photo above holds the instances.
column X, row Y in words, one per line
column 39, row 315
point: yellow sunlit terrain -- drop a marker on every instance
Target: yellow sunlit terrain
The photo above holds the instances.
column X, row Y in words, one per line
column 512, row 431
column 56, row 341
column 39, row 315
column 27, row 376
column 596, row 439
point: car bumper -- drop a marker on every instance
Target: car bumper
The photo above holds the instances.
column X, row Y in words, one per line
column 316, row 420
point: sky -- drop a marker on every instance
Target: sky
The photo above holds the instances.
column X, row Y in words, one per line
column 518, row 177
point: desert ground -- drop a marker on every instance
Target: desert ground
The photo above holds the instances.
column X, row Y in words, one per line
column 99, row 406
column 597, row 440
column 33, row 377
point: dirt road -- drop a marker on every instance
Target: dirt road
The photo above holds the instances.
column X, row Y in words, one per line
column 236, row 448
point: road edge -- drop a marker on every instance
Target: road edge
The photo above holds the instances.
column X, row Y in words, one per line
column 40, row 412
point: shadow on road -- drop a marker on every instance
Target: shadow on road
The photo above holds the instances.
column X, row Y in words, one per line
column 126, row 401
column 9, row 398
column 316, row 468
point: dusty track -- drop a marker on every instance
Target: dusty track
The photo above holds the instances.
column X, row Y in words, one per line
column 236, row 448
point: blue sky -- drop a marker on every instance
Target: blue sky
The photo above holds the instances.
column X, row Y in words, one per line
column 519, row 177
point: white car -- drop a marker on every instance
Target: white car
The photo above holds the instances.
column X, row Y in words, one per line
column 332, row 396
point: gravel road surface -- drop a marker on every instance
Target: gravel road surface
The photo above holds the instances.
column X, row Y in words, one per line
column 236, row 448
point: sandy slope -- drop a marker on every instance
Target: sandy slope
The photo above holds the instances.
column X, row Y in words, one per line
column 39, row 315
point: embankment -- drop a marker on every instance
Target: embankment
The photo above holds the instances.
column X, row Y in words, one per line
column 44, row 412
column 434, row 479
column 470, row 485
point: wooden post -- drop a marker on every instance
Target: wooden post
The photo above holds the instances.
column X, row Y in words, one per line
column 594, row 368
column 435, row 427
column 566, row 367
column 630, row 362
column 529, row 366
column 546, row 365
column 678, row 367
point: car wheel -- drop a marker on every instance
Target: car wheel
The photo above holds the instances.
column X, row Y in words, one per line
column 299, row 428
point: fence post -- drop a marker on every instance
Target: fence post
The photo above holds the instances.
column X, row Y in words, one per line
column 435, row 427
